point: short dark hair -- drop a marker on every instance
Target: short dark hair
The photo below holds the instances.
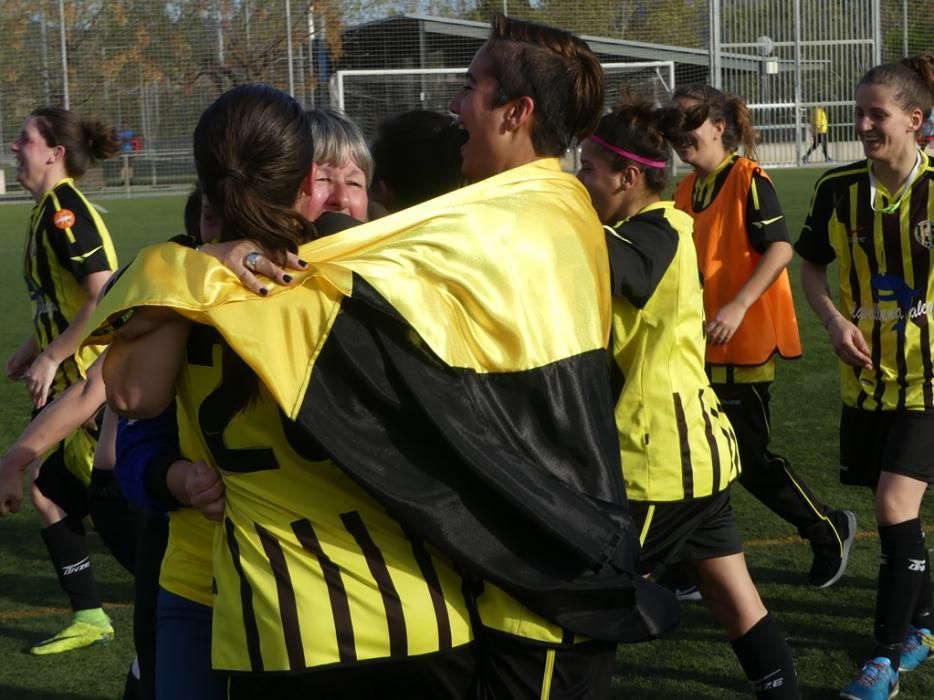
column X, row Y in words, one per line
column 633, row 126
column 193, row 213
column 85, row 142
column 557, row 70
column 417, row 156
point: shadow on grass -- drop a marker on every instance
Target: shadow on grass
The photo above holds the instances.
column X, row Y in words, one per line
column 11, row 692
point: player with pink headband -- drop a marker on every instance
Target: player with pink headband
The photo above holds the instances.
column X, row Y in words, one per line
column 678, row 448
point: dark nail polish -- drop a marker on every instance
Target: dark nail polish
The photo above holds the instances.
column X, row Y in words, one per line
column 303, row 263
column 264, row 291
column 286, row 278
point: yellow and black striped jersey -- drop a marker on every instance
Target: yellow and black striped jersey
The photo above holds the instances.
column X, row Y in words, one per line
column 884, row 252
column 676, row 442
column 66, row 240
column 309, row 570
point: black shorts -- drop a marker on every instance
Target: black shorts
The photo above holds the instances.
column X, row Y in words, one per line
column 872, row 442
column 448, row 675
column 515, row 668
column 685, row 531
column 59, row 484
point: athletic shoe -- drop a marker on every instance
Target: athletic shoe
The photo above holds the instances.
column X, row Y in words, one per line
column 76, row 636
column 916, row 648
column 690, row 594
column 831, row 542
column 877, row 680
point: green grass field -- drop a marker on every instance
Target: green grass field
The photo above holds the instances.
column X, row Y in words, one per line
column 830, row 630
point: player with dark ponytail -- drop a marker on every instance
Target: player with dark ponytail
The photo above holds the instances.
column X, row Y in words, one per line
column 874, row 218
column 69, row 257
column 680, row 504
column 743, row 249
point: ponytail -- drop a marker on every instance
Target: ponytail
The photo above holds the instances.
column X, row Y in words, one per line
column 85, row 143
column 911, row 81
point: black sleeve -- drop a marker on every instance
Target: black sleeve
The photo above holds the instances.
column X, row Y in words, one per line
column 765, row 220
column 814, row 242
column 75, row 237
column 640, row 252
column 333, row 222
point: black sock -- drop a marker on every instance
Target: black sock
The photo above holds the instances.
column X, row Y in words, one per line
column 68, row 549
column 114, row 518
column 924, row 609
column 766, row 659
column 901, row 572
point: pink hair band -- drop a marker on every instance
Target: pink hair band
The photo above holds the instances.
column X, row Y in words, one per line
column 627, row 154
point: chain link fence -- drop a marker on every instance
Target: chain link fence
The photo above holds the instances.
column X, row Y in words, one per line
column 149, row 67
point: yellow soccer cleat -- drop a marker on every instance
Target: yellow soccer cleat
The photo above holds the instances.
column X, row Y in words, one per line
column 76, row 636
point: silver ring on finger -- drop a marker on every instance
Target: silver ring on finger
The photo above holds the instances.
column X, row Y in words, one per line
column 251, row 259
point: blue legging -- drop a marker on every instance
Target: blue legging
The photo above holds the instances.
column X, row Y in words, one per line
column 183, row 651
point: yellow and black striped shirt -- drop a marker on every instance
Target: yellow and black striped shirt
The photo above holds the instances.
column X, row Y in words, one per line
column 884, row 252
column 66, row 240
column 309, row 570
column 676, row 442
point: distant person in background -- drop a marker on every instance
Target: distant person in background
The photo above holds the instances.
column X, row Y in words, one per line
column 128, row 147
column 818, row 128
column 927, row 132
column 69, row 257
column 416, row 157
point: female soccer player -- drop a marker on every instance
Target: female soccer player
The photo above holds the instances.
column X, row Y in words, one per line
column 874, row 218
column 69, row 256
column 678, row 449
column 312, row 577
column 530, row 91
column 743, row 249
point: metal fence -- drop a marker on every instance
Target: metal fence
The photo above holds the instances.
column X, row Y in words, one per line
column 149, row 67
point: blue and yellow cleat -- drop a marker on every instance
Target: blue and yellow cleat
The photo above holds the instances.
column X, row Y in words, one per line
column 916, row 648
column 877, row 680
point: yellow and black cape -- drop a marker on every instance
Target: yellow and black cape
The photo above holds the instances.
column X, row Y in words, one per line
column 451, row 358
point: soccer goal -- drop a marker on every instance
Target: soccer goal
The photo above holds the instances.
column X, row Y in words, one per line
column 369, row 96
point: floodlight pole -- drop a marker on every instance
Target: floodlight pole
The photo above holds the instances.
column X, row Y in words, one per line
column 288, row 41
column 905, row 28
column 716, row 67
column 61, row 31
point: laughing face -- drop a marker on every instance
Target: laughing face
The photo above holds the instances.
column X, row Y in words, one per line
column 703, row 146
column 340, row 188
column 883, row 126
column 486, row 151
column 33, row 157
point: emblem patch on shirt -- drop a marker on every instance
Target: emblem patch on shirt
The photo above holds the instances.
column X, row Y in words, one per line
column 64, row 218
column 924, row 233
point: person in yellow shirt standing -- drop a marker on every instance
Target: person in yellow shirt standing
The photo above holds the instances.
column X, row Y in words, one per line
column 819, row 126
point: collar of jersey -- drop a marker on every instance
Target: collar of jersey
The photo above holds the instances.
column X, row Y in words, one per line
column 876, row 188
column 703, row 187
column 660, row 204
column 63, row 181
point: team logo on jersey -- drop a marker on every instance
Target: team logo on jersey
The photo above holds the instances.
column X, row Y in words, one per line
column 64, row 218
column 909, row 306
column 924, row 233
